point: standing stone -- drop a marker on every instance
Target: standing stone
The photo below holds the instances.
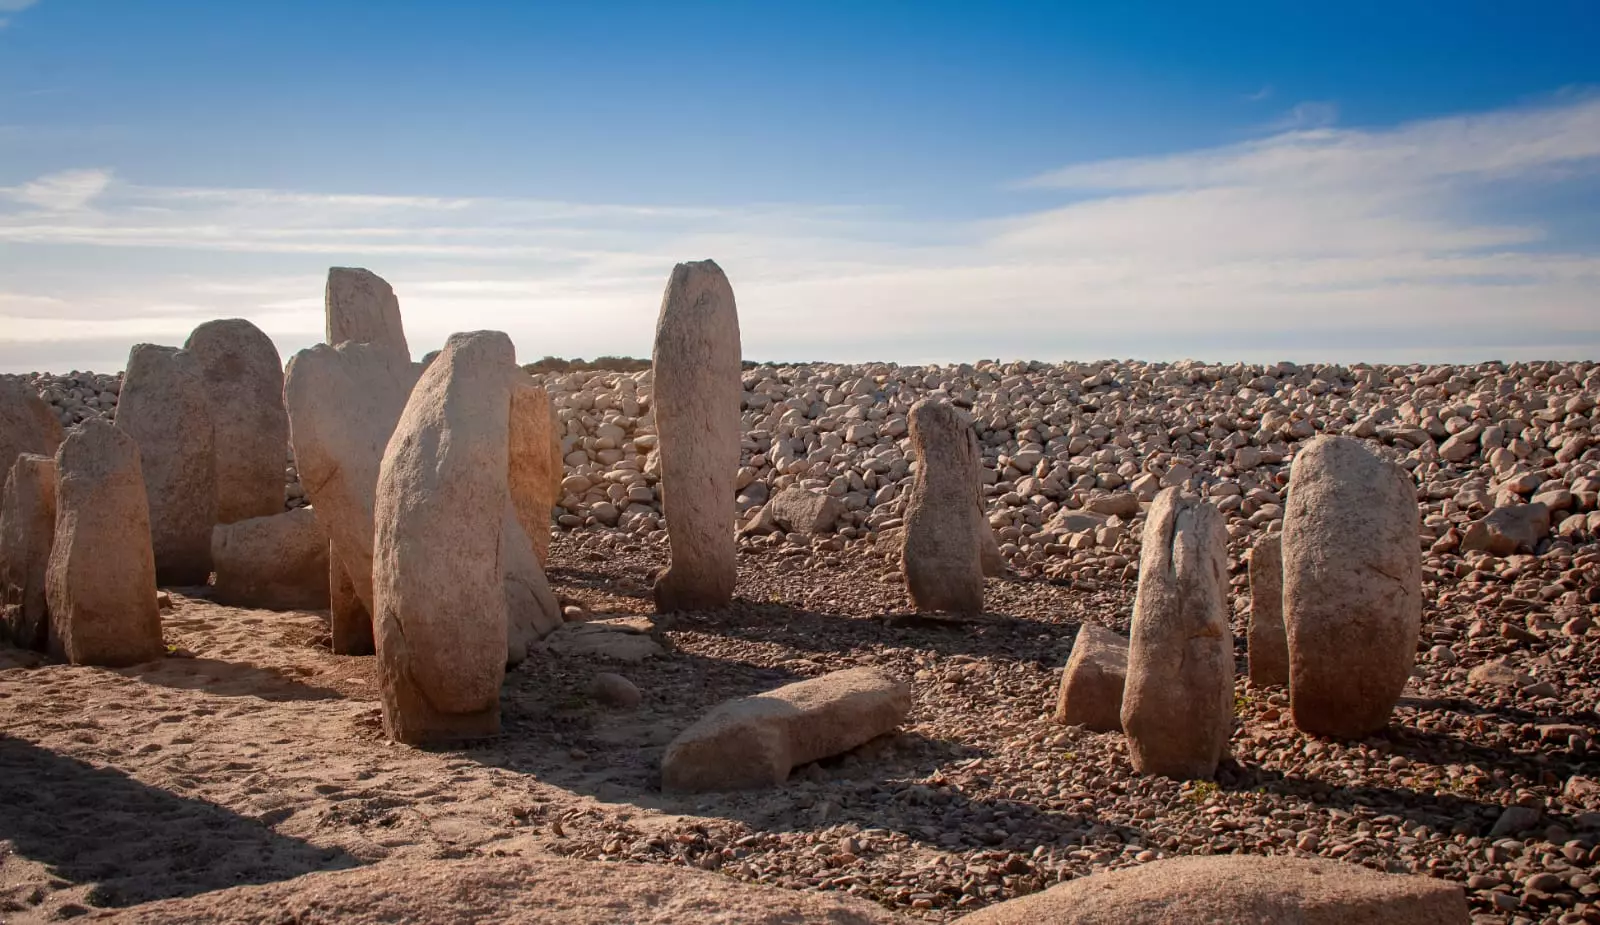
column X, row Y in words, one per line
column 27, row 529
column 362, row 308
column 101, row 583
column 697, row 398
column 941, row 558
column 1177, row 706
column 536, row 464
column 274, row 563
column 27, row 425
column 243, row 377
column 350, row 629
column 440, row 614
column 1352, row 587
column 163, row 407
column 1269, row 645
column 1092, row 682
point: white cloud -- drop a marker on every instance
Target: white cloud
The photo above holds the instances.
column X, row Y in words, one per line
column 65, row 191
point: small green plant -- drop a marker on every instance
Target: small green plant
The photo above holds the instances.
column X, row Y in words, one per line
column 1202, row 791
column 1241, row 703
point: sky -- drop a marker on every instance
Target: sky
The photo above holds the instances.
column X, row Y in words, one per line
column 916, row 181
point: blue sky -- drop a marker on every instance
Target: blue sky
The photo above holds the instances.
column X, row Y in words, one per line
column 912, row 181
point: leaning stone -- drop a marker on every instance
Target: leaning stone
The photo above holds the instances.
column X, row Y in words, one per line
column 163, row 407
column 361, row 308
column 1352, row 587
column 1505, row 531
column 756, row 741
column 27, row 529
column 27, row 425
column 439, row 615
column 536, row 465
column 941, row 556
column 698, row 391
column 1237, row 889
column 1177, row 708
column 243, row 376
column 101, row 583
column 1269, row 644
column 350, row 623
column 801, row 510
column 274, row 563
column 1092, row 682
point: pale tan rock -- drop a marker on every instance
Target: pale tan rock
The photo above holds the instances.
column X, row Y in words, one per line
column 273, row 563
column 756, row 741
column 607, row 640
column 536, row 465
column 532, row 611
column 361, row 308
column 941, row 558
column 1508, row 530
column 27, row 425
column 27, row 529
column 696, row 363
column 1352, row 587
column 801, row 510
column 350, row 623
column 1177, row 706
column 101, row 583
column 1234, row 890
column 1092, row 682
column 1269, row 643
column 163, row 407
column 243, row 378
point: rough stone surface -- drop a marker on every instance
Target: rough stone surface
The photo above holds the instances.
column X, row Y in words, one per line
column 941, row 558
column 1228, row 889
column 614, row 690
column 756, row 741
column 164, row 408
column 696, row 362
column 611, row 640
column 27, row 424
column 532, row 610
column 275, row 563
column 1352, row 587
column 1092, row 682
column 440, row 614
column 536, row 467
column 349, row 621
column 802, row 510
column 27, row 529
column 243, row 377
column 1177, row 706
column 1508, row 530
column 101, row 584
column 360, row 307
column 1269, row 643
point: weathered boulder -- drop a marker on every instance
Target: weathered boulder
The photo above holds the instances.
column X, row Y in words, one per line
column 274, row 563
column 1177, row 706
column 101, row 583
column 1352, row 587
column 1237, row 889
column 802, row 510
column 536, row 466
column 1269, row 643
column 360, row 307
column 696, row 362
column 27, row 425
column 1505, row 531
column 350, row 623
column 243, row 378
column 27, row 529
column 532, row 610
column 614, row 690
column 440, row 610
column 756, row 741
column 1092, row 682
column 941, row 558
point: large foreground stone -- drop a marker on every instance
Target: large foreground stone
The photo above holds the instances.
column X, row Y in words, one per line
column 1177, row 707
column 274, row 563
column 697, row 396
column 163, row 407
column 536, row 468
column 1269, row 644
column 1352, row 587
column 243, row 377
column 101, row 584
column 1505, row 531
column 440, row 610
column 27, row 529
column 360, row 307
column 27, row 425
column 1234, row 890
column 756, row 741
column 1092, row 682
column 941, row 558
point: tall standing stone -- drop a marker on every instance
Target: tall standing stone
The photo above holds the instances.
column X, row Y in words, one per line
column 101, row 583
column 536, row 464
column 697, row 396
column 361, row 308
column 243, row 377
column 941, row 558
column 27, row 529
column 1269, row 645
column 1177, row 704
column 163, row 407
column 1352, row 587
column 27, row 425
column 438, row 580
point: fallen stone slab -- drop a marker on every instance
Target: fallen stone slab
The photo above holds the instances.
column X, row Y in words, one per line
column 275, row 563
column 1237, row 889
column 1092, row 682
column 630, row 640
column 1505, row 531
column 756, row 741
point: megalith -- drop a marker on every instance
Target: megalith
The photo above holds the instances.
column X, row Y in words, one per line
column 698, row 390
column 941, row 555
column 27, row 425
column 536, row 464
column 1269, row 645
column 1092, row 683
column 274, row 563
column 101, row 582
column 27, row 529
column 1352, row 587
column 163, row 407
column 243, row 378
column 1177, row 703
column 361, row 308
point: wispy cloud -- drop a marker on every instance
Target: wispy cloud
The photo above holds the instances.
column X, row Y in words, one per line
column 66, row 191
column 1264, row 93
column 1308, row 114
column 12, row 6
